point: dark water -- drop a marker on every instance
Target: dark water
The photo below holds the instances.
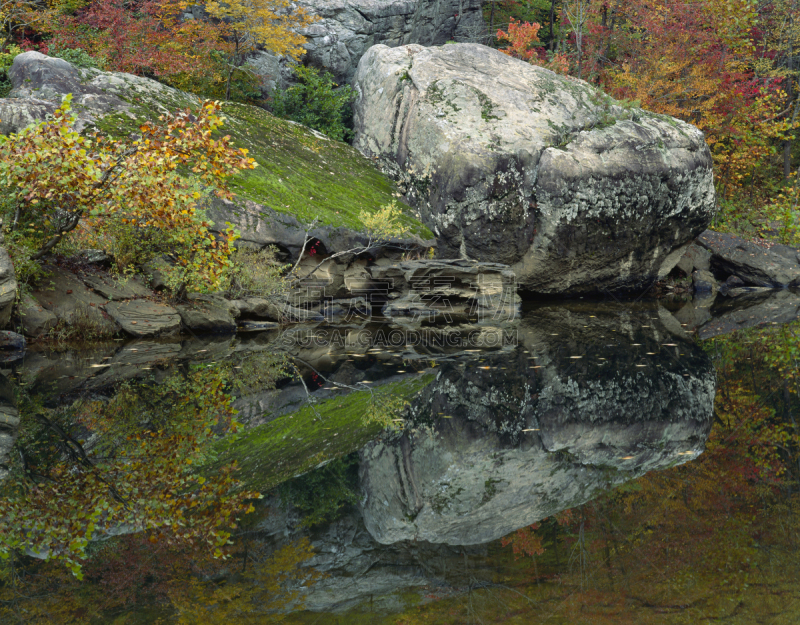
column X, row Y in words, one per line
column 588, row 462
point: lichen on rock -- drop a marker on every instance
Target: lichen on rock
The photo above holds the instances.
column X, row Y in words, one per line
column 509, row 162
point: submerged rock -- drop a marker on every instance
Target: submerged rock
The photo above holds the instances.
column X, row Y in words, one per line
column 508, row 162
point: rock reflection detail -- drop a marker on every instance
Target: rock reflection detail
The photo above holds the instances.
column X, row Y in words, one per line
column 523, row 443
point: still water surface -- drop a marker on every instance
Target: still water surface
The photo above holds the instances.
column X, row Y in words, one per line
column 596, row 462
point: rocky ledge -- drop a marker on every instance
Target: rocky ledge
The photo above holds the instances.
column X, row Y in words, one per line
column 88, row 302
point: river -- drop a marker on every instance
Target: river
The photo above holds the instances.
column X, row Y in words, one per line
column 583, row 462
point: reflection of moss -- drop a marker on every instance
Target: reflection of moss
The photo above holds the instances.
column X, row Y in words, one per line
column 322, row 493
column 295, row 443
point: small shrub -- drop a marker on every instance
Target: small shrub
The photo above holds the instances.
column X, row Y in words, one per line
column 317, row 102
column 384, row 223
column 256, row 272
column 77, row 57
column 85, row 324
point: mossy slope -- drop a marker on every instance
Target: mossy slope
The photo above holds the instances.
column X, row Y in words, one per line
column 300, row 172
column 305, row 174
column 295, row 443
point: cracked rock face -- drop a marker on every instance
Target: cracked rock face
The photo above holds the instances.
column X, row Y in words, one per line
column 508, row 162
column 346, row 29
column 505, row 443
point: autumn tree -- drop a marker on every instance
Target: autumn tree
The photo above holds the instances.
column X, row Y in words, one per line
column 16, row 15
column 57, row 178
column 523, row 39
column 249, row 24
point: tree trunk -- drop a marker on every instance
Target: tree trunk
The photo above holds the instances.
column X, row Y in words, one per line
column 232, row 66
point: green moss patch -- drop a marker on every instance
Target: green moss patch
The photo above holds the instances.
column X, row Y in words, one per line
column 295, row 443
column 306, row 175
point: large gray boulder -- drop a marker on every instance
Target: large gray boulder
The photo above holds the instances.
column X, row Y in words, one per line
column 508, row 162
column 594, row 396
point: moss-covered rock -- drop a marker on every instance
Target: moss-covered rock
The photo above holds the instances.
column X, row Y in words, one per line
column 302, row 175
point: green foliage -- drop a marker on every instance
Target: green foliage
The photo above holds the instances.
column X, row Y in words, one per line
column 6, row 59
column 316, row 102
column 57, row 179
column 212, row 82
column 321, row 494
column 140, row 472
column 385, row 223
column 256, row 273
column 78, row 57
column 18, row 245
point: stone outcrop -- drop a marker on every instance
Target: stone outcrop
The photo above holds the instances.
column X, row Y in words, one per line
column 144, row 318
column 594, row 396
column 8, row 285
column 446, row 290
column 508, row 162
column 346, row 29
column 66, row 298
column 756, row 265
column 35, row 320
column 694, row 258
column 40, row 82
column 207, row 314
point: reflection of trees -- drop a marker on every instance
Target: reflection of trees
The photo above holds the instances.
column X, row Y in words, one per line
column 127, row 462
column 257, row 589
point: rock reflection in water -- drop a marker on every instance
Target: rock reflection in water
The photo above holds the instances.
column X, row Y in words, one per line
column 613, row 393
column 591, row 397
